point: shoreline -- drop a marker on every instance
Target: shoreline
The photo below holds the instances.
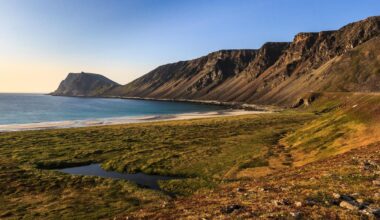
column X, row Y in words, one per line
column 233, row 105
column 123, row 120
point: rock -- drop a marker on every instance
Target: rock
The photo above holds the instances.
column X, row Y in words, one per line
column 335, row 202
column 310, row 202
column 376, row 195
column 363, row 205
column 367, row 212
column 360, row 200
column 347, row 198
column 281, row 202
column 376, row 213
column 298, row 204
column 240, row 190
column 373, row 212
column 336, row 195
column 276, row 202
column 369, row 165
column 231, row 208
column 355, row 194
column 348, row 205
column 296, row 215
column 264, row 189
column 286, row 202
column 376, row 182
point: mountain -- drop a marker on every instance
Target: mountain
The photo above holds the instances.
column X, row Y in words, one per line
column 277, row 73
column 200, row 78
column 84, row 84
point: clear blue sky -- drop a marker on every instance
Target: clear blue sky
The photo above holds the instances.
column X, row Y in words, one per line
column 42, row 40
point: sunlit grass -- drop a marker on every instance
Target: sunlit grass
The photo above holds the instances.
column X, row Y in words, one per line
column 203, row 151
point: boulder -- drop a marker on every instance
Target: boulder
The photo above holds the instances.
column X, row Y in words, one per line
column 349, row 205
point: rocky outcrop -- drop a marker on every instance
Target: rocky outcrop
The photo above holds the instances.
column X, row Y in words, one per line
column 84, row 84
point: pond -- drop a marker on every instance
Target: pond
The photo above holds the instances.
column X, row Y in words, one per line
column 149, row 181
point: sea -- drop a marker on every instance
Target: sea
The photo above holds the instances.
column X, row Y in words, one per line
column 38, row 108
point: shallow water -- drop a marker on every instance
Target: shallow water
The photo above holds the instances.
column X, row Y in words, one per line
column 36, row 108
column 150, row 181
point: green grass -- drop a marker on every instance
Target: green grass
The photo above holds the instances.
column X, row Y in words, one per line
column 201, row 151
column 346, row 121
column 204, row 153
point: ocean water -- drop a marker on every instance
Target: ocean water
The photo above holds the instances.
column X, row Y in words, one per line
column 35, row 108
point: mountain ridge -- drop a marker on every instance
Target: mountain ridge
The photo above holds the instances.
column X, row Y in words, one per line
column 278, row 73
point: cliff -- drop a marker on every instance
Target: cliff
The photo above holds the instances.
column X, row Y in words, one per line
column 84, row 84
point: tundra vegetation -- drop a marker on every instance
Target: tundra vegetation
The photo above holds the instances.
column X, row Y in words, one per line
column 208, row 154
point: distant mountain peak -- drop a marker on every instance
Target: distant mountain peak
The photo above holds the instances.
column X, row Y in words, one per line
column 84, row 84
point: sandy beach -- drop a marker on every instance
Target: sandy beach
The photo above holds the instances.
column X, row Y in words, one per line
column 123, row 120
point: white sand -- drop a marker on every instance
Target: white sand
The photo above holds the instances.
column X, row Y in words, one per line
column 122, row 120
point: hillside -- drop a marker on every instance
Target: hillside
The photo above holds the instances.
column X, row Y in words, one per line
column 197, row 78
column 277, row 73
column 330, row 170
column 84, row 84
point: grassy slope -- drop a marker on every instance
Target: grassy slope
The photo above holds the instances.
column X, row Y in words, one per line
column 206, row 151
column 306, row 192
column 328, row 154
column 347, row 121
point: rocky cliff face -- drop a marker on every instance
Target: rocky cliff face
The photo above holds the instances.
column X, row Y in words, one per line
column 307, row 56
column 277, row 73
column 190, row 78
column 84, row 84
column 198, row 78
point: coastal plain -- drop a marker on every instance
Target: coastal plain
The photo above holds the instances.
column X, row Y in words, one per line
column 205, row 152
column 236, row 166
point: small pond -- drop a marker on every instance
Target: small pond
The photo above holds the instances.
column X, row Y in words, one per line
column 149, row 181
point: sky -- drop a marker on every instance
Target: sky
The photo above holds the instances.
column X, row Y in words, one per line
column 41, row 41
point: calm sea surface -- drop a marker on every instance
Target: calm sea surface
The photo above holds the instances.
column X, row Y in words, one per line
column 32, row 108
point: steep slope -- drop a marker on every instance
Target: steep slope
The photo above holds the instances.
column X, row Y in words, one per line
column 195, row 79
column 357, row 70
column 84, row 84
column 277, row 73
column 288, row 78
column 347, row 121
column 192, row 78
